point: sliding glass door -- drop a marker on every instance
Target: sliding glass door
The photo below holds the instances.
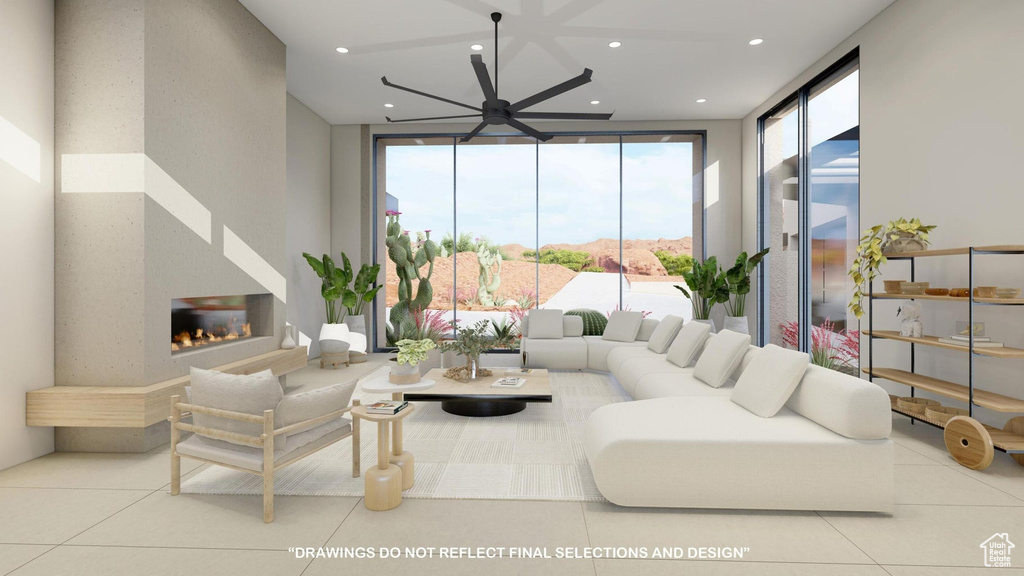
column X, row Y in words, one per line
column 596, row 221
column 809, row 215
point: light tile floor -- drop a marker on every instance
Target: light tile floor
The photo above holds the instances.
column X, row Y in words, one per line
column 87, row 514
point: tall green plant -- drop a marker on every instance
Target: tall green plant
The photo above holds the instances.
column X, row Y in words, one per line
column 737, row 279
column 408, row 262
column 707, row 287
column 362, row 288
column 334, row 283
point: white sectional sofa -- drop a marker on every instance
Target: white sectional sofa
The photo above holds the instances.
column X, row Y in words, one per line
column 573, row 350
column 682, row 443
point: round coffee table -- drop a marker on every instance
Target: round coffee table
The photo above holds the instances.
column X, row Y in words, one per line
column 384, row 483
column 399, row 457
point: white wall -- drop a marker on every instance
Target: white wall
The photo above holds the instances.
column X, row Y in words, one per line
column 309, row 216
column 26, row 222
column 941, row 139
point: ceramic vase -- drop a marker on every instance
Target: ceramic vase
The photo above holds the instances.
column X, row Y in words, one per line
column 288, row 342
column 737, row 324
column 356, row 323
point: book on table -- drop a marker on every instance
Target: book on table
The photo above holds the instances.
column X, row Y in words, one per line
column 967, row 343
column 388, row 407
column 509, row 382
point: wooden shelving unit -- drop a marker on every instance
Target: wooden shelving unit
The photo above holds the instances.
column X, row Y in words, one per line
column 1009, row 440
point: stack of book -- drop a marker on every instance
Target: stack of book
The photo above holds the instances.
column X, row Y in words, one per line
column 388, row 407
column 509, row 382
column 979, row 341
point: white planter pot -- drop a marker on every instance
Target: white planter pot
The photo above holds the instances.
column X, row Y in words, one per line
column 737, row 324
column 356, row 323
column 709, row 322
column 334, row 339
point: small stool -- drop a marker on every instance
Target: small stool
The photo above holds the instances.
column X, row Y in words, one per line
column 383, row 484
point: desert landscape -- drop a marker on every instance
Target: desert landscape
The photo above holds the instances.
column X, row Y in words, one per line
column 519, row 274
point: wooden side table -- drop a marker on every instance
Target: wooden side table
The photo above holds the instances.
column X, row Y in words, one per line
column 399, row 457
column 384, row 483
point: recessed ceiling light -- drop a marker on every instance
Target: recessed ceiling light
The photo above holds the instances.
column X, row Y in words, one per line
column 389, row 105
column 342, row 50
column 756, row 41
column 614, row 44
column 701, row 100
column 477, row 47
column 595, row 101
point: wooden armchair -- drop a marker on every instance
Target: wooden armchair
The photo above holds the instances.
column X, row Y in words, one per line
column 300, row 431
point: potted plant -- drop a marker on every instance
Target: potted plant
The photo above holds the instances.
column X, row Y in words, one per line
column 407, row 364
column 364, row 292
column 737, row 280
column 334, row 283
column 469, row 342
column 899, row 235
column 707, row 287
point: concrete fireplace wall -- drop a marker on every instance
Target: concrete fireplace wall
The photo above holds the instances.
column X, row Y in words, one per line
column 171, row 183
column 26, row 222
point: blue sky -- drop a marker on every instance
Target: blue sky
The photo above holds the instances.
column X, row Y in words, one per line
column 578, row 190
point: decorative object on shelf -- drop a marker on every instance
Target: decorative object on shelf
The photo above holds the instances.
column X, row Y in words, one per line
column 893, row 286
column 406, row 369
column 915, row 405
column 913, row 288
column 408, row 262
column 962, row 328
column 707, row 287
column 334, row 345
column 497, row 111
column 959, row 292
column 489, row 260
column 943, row 413
column 910, row 320
column 936, row 291
column 737, row 280
column 594, row 322
column 896, row 236
column 1007, row 292
column 470, row 342
column 290, row 336
column 985, row 292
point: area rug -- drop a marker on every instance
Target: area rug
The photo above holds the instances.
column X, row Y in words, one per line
column 536, row 454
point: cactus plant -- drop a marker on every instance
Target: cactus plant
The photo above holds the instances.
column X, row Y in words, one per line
column 489, row 277
column 593, row 321
column 408, row 262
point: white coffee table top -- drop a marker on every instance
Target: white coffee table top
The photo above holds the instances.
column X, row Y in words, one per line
column 379, row 383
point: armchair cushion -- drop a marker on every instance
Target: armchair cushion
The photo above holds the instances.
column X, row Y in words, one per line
column 545, row 323
column 308, row 405
column 249, row 394
column 251, row 458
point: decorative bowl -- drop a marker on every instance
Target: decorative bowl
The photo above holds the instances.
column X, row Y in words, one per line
column 913, row 288
column 937, row 291
column 1007, row 292
column 914, row 405
column 985, row 292
column 943, row 413
column 959, row 292
column 893, row 286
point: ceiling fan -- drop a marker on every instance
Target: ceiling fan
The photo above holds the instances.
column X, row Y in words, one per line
column 497, row 111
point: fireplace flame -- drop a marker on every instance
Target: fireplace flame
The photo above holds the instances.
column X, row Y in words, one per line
column 202, row 337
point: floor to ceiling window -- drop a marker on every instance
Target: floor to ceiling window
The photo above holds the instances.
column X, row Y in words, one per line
column 809, row 216
column 584, row 221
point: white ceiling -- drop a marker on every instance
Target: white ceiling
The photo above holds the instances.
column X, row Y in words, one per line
column 673, row 52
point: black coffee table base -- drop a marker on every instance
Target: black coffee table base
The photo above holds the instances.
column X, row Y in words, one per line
column 482, row 408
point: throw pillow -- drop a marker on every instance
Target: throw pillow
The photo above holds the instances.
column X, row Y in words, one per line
column 662, row 336
column 545, row 323
column 622, row 326
column 249, row 394
column 770, row 380
column 647, row 328
column 720, row 357
column 688, row 344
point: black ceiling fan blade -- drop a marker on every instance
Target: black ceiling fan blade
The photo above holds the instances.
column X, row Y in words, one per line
column 474, row 132
column 431, row 118
column 553, row 91
column 564, row 115
column 528, row 130
column 384, row 79
column 485, row 80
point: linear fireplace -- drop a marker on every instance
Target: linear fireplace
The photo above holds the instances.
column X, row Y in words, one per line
column 205, row 321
